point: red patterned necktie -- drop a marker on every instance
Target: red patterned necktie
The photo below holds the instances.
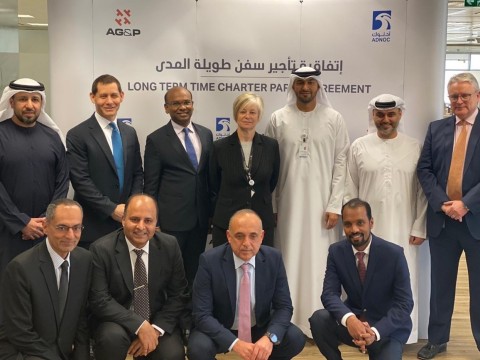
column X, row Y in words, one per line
column 362, row 270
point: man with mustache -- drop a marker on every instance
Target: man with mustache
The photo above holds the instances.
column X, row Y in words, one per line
column 373, row 272
column 33, row 167
column 138, row 288
column 381, row 169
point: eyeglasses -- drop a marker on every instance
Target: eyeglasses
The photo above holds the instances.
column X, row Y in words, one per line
column 464, row 97
column 65, row 229
column 177, row 104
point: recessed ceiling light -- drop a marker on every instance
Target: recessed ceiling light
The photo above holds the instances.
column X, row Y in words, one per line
column 37, row 24
column 25, row 16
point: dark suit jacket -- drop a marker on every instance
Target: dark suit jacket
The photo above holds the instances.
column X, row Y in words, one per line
column 433, row 167
column 215, row 297
column 181, row 192
column 94, row 176
column 386, row 296
column 229, row 184
column 111, row 295
column 30, row 303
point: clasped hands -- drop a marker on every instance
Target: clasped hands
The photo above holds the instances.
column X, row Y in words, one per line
column 146, row 341
column 361, row 332
column 260, row 350
column 455, row 209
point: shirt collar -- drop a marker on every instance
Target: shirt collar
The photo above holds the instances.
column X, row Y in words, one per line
column 239, row 262
column 146, row 248
column 104, row 123
column 56, row 259
column 470, row 119
column 367, row 249
column 179, row 128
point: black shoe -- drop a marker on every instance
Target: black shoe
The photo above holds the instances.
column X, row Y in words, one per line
column 430, row 350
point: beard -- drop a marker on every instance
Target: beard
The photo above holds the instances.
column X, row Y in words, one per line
column 358, row 243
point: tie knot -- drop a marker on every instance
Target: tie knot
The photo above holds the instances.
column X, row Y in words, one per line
column 360, row 255
column 138, row 252
column 186, row 131
column 113, row 126
column 64, row 265
column 245, row 267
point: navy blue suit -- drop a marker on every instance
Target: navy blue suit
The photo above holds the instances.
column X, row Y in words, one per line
column 449, row 238
column 384, row 300
column 215, row 301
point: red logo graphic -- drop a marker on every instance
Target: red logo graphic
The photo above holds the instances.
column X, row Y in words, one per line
column 123, row 17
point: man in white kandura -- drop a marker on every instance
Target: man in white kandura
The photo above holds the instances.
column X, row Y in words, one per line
column 381, row 169
column 313, row 143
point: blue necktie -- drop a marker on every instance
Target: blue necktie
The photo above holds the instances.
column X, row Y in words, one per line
column 117, row 153
column 190, row 149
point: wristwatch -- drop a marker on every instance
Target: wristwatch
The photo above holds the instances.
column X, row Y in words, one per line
column 273, row 338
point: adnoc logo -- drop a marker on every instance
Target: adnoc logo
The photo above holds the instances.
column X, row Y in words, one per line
column 381, row 26
column 222, row 127
column 123, row 20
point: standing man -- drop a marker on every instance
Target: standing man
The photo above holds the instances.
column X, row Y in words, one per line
column 33, row 167
column 374, row 275
column 176, row 170
column 449, row 171
column 241, row 300
column 45, row 291
column 313, row 142
column 381, row 169
column 105, row 162
column 138, row 288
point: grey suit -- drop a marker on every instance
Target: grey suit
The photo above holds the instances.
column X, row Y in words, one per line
column 94, row 176
column 32, row 325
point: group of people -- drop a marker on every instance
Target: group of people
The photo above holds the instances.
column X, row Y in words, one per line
column 149, row 285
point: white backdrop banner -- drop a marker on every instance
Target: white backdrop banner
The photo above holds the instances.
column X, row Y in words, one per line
column 219, row 49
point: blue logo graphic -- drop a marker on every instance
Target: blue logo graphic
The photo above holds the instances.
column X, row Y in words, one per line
column 222, row 127
column 381, row 20
column 127, row 121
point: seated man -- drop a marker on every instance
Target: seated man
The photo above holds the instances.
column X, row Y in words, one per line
column 138, row 288
column 45, row 290
column 241, row 299
column 374, row 274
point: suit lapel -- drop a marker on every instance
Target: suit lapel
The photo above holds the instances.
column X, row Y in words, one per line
column 351, row 264
column 123, row 261
column 257, row 149
column 448, row 137
column 99, row 136
column 154, row 268
column 203, row 140
column 178, row 147
column 48, row 272
column 230, row 277
column 260, row 280
column 372, row 263
column 472, row 142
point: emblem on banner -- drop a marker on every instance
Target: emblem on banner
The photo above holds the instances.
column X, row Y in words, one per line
column 222, row 127
column 127, row 121
column 381, row 26
column 123, row 19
